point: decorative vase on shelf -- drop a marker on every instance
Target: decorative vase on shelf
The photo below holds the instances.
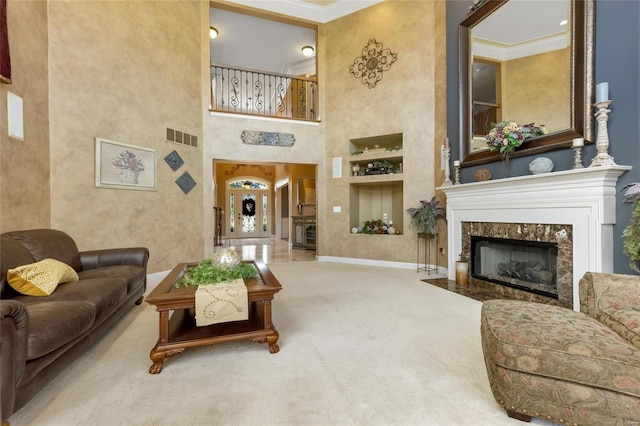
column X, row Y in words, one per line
column 505, row 163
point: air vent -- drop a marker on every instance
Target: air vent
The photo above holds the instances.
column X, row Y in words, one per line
column 182, row 137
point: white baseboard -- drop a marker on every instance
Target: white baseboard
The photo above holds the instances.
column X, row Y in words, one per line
column 386, row 263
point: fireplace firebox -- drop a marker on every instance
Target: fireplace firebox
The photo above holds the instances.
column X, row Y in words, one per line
column 530, row 266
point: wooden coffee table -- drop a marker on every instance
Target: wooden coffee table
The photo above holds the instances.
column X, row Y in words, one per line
column 178, row 330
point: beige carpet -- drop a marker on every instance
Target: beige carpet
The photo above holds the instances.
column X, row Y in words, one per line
column 359, row 345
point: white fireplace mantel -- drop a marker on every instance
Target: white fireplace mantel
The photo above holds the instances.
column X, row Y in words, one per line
column 583, row 198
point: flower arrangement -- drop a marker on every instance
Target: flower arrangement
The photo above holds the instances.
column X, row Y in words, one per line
column 475, row 5
column 375, row 226
column 424, row 219
column 127, row 160
column 506, row 136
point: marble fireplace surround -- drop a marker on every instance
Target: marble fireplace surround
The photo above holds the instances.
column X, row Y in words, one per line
column 582, row 198
column 560, row 235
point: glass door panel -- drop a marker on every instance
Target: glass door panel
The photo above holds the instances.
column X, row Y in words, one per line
column 247, row 215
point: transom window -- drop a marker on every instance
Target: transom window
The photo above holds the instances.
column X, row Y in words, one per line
column 248, row 184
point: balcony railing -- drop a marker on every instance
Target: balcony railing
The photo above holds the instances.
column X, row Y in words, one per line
column 252, row 92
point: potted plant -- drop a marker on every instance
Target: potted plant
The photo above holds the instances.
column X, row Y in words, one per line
column 631, row 233
column 424, row 219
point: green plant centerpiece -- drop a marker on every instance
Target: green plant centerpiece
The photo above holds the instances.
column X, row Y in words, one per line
column 225, row 266
column 631, row 234
column 424, row 219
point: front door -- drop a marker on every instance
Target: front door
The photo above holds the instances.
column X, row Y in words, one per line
column 248, row 214
column 247, row 222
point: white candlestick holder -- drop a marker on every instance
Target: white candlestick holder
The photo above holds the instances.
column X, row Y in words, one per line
column 577, row 157
column 446, row 154
column 456, row 174
column 602, row 142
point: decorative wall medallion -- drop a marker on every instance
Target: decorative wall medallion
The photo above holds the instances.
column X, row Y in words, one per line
column 174, row 160
column 186, row 182
column 373, row 62
column 255, row 137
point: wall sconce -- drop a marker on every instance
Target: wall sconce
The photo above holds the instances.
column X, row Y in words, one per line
column 308, row 51
column 213, row 32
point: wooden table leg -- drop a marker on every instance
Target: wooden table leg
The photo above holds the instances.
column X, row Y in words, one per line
column 266, row 318
column 158, row 355
column 272, row 340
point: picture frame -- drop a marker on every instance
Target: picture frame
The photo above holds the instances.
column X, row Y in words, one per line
column 124, row 166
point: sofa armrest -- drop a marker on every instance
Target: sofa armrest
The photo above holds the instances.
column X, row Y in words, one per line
column 138, row 256
column 14, row 325
column 587, row 295
column 596, row 286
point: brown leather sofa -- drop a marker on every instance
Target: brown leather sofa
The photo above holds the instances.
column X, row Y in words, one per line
column 41, row 335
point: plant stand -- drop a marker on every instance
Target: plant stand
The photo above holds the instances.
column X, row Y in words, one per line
column 429, row 243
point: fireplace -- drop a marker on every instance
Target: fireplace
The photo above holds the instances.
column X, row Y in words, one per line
column 524, row 265
column 525, row 261
column 574, row 209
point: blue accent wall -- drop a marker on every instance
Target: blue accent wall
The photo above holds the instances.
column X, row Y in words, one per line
column 617, row 61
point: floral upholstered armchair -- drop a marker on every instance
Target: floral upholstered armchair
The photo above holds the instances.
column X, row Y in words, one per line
column 580, row 368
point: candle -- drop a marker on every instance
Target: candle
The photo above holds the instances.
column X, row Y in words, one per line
column 462, row 273
column 577, row 142
column 456, row 163
column 446, row 142
column 602, row 92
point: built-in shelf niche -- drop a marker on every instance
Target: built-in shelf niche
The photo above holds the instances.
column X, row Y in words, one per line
column 372, row 196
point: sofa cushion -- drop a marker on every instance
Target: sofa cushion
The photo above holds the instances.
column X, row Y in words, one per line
column 559, row 343
column 12, row 254
column 618, row 306
column 40, row 278
column 53, row 324
column 44, row 243
column 104, row 294
column 132, row 274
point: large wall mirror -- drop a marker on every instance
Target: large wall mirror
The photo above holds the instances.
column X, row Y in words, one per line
column 528, row 62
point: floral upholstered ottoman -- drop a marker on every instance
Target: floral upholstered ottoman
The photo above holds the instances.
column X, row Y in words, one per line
column 555, row 363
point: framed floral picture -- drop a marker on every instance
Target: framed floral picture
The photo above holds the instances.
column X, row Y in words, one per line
column 122, row 166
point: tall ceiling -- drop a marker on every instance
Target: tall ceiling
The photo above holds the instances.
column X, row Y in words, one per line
column 248, row 41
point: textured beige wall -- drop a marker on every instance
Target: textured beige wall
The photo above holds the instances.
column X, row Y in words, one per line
column 409, row 100
column 24, row 164
column 537, row 89
column 126, row 71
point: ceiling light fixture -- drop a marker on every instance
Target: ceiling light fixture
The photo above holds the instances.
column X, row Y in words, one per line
column 213, row 32
column 308, row 51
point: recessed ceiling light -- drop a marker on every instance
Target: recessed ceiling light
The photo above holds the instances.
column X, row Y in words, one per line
column 308, row 50
column 213, row 32
column 563, row 22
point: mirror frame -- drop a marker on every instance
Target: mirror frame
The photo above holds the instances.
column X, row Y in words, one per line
column 581, row 124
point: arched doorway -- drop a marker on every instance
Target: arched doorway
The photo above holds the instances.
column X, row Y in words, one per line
column 248, row 201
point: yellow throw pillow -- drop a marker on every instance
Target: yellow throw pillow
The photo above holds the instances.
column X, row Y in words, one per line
column 40, row 278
